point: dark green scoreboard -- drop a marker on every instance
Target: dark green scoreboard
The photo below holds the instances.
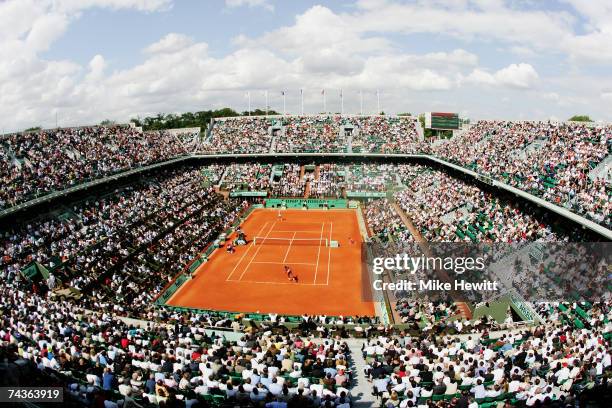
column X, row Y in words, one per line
column 442, row 120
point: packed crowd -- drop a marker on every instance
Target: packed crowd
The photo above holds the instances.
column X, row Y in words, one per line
column 239, row 135
column 317, row 133
column 312, row 134
column 37, row 163
column 321, row 180
column 380, row 134
column 371, row 177
column 384, row 222
column 105, row 361
column 145, row 232
column 444, row 208
column 327, row 181
column 557, row 363
column 119, row 249
column 289, row 182
column 546, row 159
column 248, row 176
column 552, row 160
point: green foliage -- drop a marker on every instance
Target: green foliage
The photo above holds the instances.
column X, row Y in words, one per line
column 426, row 132
column 191, row 119
column 580, row 118
column 404, row 114
column 34, row 129
column 107, row 122
column 260, row 112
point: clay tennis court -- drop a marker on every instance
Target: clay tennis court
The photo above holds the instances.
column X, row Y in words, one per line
column 253, row 278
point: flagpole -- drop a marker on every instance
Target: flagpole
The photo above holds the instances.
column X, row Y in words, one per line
column 284, row 111
column 378, row 101
column 341, row 103
column 266, row 102
column 324, row 104
column 302, row 100
column 249, row 98
column 361, row 102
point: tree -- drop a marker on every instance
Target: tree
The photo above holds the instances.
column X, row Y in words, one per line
column 34, row 129
column 580, row 118
column 107, row 122
column 426, row 132
column 191, row 119
column 404, row 114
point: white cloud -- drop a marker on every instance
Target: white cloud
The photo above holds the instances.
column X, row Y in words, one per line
column 96, row 67
column 140, row 5
column 317, row 30
column 522, row 51
column 250, row 3
column 358, row 48
column 172, row 42
column 501, row 21
column 467, row 20
column 32, row 89
column 521, row 76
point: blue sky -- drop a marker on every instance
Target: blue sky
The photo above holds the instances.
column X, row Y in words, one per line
column 89, row 60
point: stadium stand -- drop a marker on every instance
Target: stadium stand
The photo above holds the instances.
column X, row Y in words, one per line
column 378, row 134
column 243, row 135
column 37, row 163
column 448, row 209
column 385, row 223
column 109, row 343
column 252, row 176
column 551, row 160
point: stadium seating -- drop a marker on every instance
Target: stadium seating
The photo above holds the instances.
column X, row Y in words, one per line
column 37, row 163
column 117, row 247
column 551, row 160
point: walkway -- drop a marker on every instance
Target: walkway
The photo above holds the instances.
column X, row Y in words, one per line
column 362, row 389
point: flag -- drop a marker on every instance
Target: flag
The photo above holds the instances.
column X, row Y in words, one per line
column 341, row 93
column 323, row 92
column 301, row 91
column 283, row 93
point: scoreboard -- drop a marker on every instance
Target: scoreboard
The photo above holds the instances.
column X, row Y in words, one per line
column 442, row 120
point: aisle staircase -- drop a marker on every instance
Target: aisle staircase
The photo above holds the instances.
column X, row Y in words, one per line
column 272, row 145
column 226, row 168
column 361, row 392
column 349, row 144
column 602, row 170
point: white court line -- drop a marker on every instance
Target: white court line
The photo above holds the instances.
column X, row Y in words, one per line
column 311, row 232
column 243, row 255
column 281, row 283
column 282, row 263
column 289, row 247
column 256, row 252
column 319, row 252
column 329, row 250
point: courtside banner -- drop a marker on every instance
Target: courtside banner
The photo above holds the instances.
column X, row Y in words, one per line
column 474, row 273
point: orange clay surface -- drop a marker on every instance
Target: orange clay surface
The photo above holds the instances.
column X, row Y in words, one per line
column 253, row 278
